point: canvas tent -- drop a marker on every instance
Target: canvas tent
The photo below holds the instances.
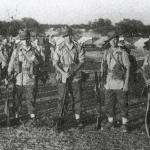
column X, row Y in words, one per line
column 101, row 41
column 86, row 40
column 140, row 43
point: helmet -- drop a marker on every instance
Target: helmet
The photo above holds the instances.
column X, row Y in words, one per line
column 24, row 34
column 67, row 31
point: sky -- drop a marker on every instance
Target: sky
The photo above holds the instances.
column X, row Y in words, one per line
column 75, row 11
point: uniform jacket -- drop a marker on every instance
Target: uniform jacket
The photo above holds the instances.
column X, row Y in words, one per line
column 21, row 65
column 68, row 57
column 111, row 82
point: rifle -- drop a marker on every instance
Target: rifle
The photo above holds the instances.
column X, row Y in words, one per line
column 6, row 109
column 65, row 94
column 147, row 115
column 40, row 68
column 98, row 97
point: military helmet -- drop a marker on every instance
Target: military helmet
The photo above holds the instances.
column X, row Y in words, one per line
column 24, row 34
column 67, row 31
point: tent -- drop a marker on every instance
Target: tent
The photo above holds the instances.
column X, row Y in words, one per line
column 86, row 40
column 101, row 41
column 140, row 43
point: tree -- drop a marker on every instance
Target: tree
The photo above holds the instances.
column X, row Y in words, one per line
column 130, row 27
column 102, row 26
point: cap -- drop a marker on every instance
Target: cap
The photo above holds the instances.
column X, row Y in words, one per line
column 24, row 34
column 67, row 31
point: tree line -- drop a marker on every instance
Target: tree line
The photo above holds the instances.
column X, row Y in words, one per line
column 127, row 27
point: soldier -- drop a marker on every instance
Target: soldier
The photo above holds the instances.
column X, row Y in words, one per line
column 68, row 59
column 5, row 54
column 117, row 79
column 145, row 70
column 22, row 63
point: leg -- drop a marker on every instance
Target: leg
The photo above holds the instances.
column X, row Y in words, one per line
column 77, row 97
column 60, row 104
column 122, row 101
column 77, row 90
column 29, row 100
column 61, row 89
column 35, row 89
column 110, row 103
column 18, row 99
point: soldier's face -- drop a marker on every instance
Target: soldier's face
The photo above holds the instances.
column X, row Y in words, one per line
column 28, row 42
column 113, row 42
column 68, row 38
column 4, row 41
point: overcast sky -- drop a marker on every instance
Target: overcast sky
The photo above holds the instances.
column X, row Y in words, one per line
column 75, row 11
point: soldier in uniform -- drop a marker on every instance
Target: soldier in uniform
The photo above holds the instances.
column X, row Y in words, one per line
column 117, row 80
column 21, row 63
column 5, row 54
column 68, row 59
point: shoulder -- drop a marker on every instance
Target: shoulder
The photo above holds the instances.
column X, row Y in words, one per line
column 147, row 56
column 76, row 44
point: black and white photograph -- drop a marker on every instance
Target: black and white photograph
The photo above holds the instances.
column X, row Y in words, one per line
column 74, row 75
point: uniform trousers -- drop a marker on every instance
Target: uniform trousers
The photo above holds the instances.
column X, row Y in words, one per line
column 73, row 96
column 27, row 93
column 114, row 97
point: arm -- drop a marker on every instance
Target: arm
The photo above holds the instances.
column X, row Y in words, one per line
column 147, row 81
column 11, row 62
column 56, row 59
column 81, row 58
column 127, row 66
column 29, row 59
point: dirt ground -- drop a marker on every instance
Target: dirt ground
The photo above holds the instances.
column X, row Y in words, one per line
column 42, row 136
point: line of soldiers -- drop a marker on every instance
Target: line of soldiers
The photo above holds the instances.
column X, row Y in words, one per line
column 68, row 58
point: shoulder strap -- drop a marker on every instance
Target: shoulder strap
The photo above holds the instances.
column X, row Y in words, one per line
column 69, row 52
column 148, row 59
column 118, row 62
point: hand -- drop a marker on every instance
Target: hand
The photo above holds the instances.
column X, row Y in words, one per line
column 6, row 82
column 72, row 73
column 148, row 82
column 9, row 73
column 125, row 88
column 66, row 75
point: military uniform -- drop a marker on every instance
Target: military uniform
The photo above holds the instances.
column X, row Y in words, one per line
column 68, row 57
column 115, row 82
column 22, row 63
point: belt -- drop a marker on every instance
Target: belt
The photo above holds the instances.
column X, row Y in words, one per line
column 66, row 65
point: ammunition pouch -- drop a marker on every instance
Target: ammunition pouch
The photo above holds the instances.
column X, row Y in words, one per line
column 118, row 72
